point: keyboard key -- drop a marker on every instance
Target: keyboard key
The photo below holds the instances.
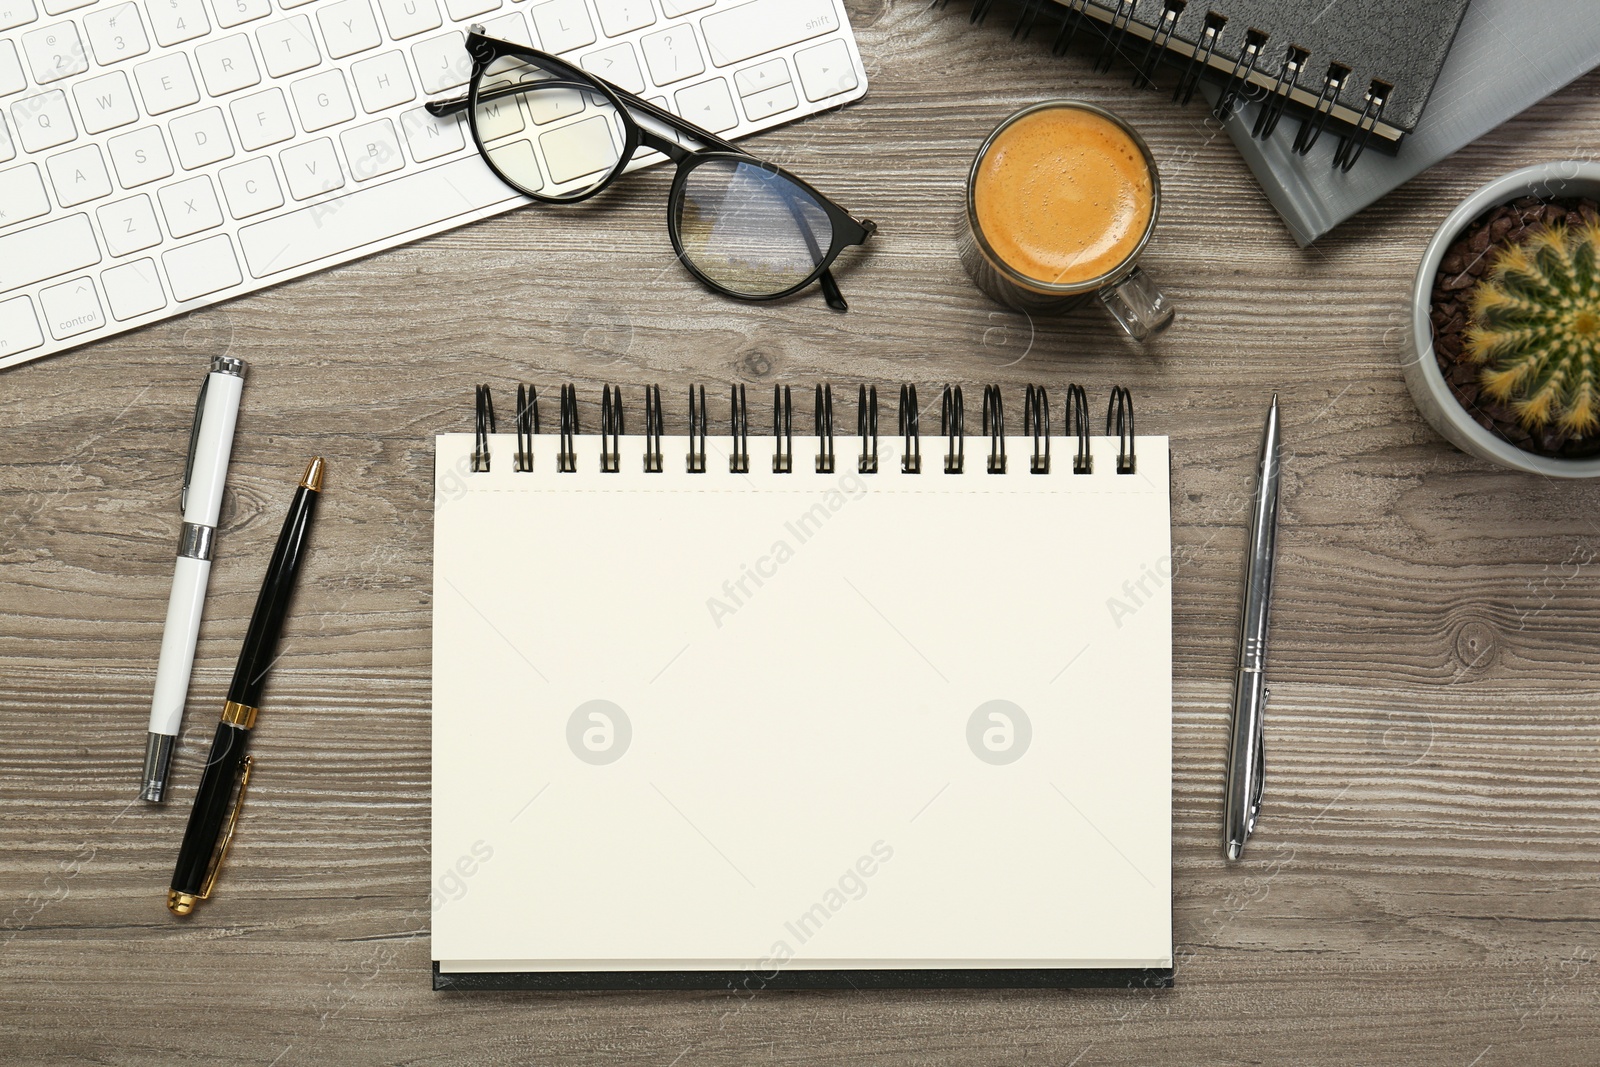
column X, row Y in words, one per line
column 761, row 76
column 79, row 175
column 129, row 225
column 408, row 204
column 54, row 52
column 15, row 13
column 133, row 289
column 105, row 102
column 22, row 194
column 673, row 8
column 140, row 157
column 737, row 34
column 228, row 65
column 617, row 65
column 115, row 34
column 12, row 79
column 499, row 119
column 383, row 81
column 672, row 55
column 769, row 102
column 323, row 101
column 429, row 137
column 262, row 119
column 43, row 121
column 166, row 83
column 461, row 10
column 583, row 147
column 442, row 62
column 19, row 329
column 372, row 149
column 238, row 12
column 825, row 70
column 516, row 157
column 48, row 249
column 174, row 21
column 190, row 206
column 8, row 150
column 203, row 267
column 621, row 16
column 61, row 7
column 708, row 105
column 201, row 138
column 407, row 18
column 250, row 187
column 563, row 25
column 547, row 105
column 71, row 308
column 311, row 168
column 348, row 27
column 510, row 27
column 288, row 46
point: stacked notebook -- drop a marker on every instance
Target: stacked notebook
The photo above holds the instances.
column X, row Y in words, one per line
column 791, row 710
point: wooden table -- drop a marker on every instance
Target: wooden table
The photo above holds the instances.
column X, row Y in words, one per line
column 1423, row 888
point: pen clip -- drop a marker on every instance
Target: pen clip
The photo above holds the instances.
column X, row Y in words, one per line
column 194, row 443
column 233, row 823
column 1257, row 779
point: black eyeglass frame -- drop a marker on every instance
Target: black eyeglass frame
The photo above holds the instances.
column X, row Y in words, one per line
column 485, row 50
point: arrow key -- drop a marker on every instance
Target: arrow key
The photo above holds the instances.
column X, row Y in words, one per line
column 618, row 65
column 769, row 102
column 708, row 105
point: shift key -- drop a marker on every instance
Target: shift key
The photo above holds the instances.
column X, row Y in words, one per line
column 41, row 252
column 739, row 33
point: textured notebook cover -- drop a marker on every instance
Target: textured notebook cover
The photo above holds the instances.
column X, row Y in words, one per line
column 1505, row 59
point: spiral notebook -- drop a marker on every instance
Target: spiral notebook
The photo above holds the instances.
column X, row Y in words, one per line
column 1361, row 70
column 801, row 709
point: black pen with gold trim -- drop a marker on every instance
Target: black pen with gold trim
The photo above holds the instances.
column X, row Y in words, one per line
column 205, row 842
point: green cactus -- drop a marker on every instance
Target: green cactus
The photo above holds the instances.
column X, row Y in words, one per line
column 1536, row 328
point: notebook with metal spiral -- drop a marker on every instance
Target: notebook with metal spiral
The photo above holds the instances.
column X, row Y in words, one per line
column 770, row 705
column 1358, row 70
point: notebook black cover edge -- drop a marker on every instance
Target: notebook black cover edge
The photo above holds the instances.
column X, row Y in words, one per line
column 806, row 979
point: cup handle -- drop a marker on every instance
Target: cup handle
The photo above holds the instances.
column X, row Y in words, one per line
column 1138, row 306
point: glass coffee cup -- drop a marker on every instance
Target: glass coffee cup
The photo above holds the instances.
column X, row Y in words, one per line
column 1061, row 201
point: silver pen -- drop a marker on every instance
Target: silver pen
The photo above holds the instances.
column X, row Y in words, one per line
column 1246, row 748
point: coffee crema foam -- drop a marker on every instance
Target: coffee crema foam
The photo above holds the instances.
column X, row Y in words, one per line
column 1063, row 196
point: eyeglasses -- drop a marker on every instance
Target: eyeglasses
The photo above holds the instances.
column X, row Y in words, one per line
column 743, row 226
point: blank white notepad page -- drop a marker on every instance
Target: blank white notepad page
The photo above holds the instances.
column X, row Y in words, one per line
column 720, row 721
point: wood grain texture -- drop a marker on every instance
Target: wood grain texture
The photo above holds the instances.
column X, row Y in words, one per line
column 1423, row 888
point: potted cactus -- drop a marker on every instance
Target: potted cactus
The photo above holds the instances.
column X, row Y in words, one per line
column 1505, row 352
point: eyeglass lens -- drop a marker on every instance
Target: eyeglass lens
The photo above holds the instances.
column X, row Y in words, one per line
column 521, row 137
column 749, row 229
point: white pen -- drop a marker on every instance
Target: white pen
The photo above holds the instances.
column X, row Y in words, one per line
column 210, row 444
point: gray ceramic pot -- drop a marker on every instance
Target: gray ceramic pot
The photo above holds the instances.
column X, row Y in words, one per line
column 1428, row 387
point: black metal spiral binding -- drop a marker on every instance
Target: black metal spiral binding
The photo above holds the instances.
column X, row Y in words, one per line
column 1113, row 34
column 782, row 430
column 867, row 429
column 1120, row 415
column 611, row 430
column 910, row 421
column 653, row 425
column 739, row 431
column 1312, row 125
column 1200, row 58
column 980, row 11
column 953, row 428
column 1244, row 65
column 483, row 427
column 994, row 427
column 1077, row 414
column 1071, row 18
column 1026, row 19
column 1156, row 49
column 1354, row 143
column 695, row 462
column 823, row 418
column 567, row 456
column 527, row 425
column 1294, row 62
column 1036, row 423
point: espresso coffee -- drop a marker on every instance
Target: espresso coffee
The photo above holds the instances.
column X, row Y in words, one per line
column 1063, row 195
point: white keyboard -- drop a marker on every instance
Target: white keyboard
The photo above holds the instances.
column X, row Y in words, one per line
column 157, row 156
